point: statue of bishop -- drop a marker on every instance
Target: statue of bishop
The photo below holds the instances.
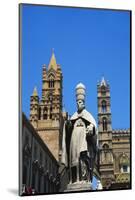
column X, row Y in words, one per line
column 79, row 143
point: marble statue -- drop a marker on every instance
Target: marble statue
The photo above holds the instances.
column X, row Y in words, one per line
column 79, row 143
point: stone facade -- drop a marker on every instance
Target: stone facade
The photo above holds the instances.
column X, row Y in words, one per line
column 40, row 169
column 114, row 145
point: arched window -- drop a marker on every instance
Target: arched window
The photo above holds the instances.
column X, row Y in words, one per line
column 124, row 163
column 104, row 122
column 106, row 152
column 107, row 156
column 125, row 168
column 103, row 106
column 106, row 147
column 45, row 113
column 103, row 90
column 51, row 83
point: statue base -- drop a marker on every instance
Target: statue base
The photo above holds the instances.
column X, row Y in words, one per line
column 78, row 186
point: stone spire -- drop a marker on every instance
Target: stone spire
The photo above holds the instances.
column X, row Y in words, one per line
column 34, row 105
column 103, row 82
column 35, row 92
column 52, row 64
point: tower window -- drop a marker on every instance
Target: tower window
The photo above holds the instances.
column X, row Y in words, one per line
column 125, row 168
column 104, row 106
column 103, row 93
column 103, row 90
column 104, row 122
column 124, row 163
column 45, row 116
column 45, row 113
column 51, row 83
column 106, row 147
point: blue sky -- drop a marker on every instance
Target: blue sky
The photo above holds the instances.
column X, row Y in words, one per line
column 88, row 44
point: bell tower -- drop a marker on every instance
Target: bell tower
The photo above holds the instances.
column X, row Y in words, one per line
column 52, row 91
column 106, row 167
column 48, row 114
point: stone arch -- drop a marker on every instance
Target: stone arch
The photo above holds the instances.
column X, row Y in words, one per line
column 45, row 111
column 51, row 73
column 107, row 156
column 124, row 163
column 105, row 146
column 51, row 80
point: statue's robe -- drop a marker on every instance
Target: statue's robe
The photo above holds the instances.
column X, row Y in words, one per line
column 74, row 138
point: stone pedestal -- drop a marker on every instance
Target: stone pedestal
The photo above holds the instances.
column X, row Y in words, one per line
column 78, row 186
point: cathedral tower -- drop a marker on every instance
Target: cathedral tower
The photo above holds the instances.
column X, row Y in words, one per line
column 105, row 134
column 46, row 114
column 51, row 91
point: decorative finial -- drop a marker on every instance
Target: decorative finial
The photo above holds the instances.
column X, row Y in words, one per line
column 35, row 92
column 103, row 82
column 52, row 63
